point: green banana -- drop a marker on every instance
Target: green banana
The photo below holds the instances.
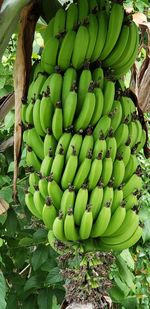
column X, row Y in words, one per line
column 38, row 200
column 126, row 109
column 133, row 133
column 36, row 143
column 28, row 118
column 79, row 55
column 139, row 131
column 93, row 6
column 33, row 179
column 70, row 77
column 83, row 9
column 80, row 204
column 131, row 167
column 59, row 22
column 30, row 204
column 100, row 146
column 70, row 230
column 55, row 86
column 142, row 142
column 128, row 243
column 102, row 126
column 134, row 183
column 131, row 201
column 108, row 195
column 83, row 171
column 23, row 112
column 57, row 165
column 118, row 171
column 118, row 48
column 107, row 168
column 72, row 17
column 93, row 31
column 76, row 142
column 86, row 224
column 49, row 143
column 46, row 85
column 111, row 144
column 98, row 77
column 70, row 170
column 99, row 103
column 49, row 213
column 114, row 29
column 55, row 192
column 43, row 187
column 116, row 115
column 87, row 144
column 102, row 221
column 66, row 50
column 36, row 86
column 69, row 107
column 117, row 199
column 125, row 152
column 57, row 121
column 47, row 164
column 85, row 116
column 46, row 112
column 36, row 118
column 109, row 95
column 95, row 199
column 68, row 199
column 130, row 47
column 49, row 30
column 95, row 172
column 121, row 134
column 101, row 36
column 48, row 63
column 58, row 227
column 64, row 141
column 115, row 221
column 32, row 160
column 84, row 83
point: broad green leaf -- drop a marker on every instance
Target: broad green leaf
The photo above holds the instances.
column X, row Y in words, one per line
column 53, row 277
column 39, row 257
column 125, row 274
column 127, row 257
column 26, row 241
column 3, row 290
column 146, row 231
column 122, row 286
column 44, row 299
column 3, row 218
column 32, row 282
column 116, row 294
column 6, row 194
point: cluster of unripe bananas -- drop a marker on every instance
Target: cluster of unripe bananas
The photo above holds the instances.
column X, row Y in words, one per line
column 91, row 30
column 83, row 133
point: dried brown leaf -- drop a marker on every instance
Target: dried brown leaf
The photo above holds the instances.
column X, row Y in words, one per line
column 4, row 206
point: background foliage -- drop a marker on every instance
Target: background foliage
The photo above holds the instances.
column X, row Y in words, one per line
column 29, row 272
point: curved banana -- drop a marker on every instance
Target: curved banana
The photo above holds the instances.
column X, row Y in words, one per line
column 55, row 86
column 58, row 165
column 47, row 164
column 118, row 172
column 114, row 29
column 36, row 118
column 85, row 116
column 131, row 201
column 49, row 30
column 70, row 230
column 72, row 17
column 76, row 142
column 98, row 77
column 99, row 104
column 84, row 83
column 117, row 199
column 116, row 115
column 48, row 63
column 86, row 224
column 79, row 52
column 111, row 144
column 57, row 121
column 102, row 221
column 33, row 179
column 43, row 187
column 93, row 31
column 108, row 195
column 80, row 204
column 95, row 172
column 100, row 146
column 49, row 213
column 70, row 170
column 55, row 192
column 83, row 171
column 95, row 199
column 101, row 36
column 70, row 77
column 142, row 142
column 64, row 141
column 133, row 133
column 115, row 221
column 121, row 134
column 36, row 143
column 58, row 227
column 83, row 9
column 67, row 200
column 66, row 50
column 107, row 168
column 69, row 108
column 131, row 167
column 125, row 152
column 49, row 143
column 28, row 110
column 32, row 160
column 46, row 112
column 102, row 126
column 133, row 184
column 109, row 95
column 30, row 204
column 59, row 22
column 87, row 144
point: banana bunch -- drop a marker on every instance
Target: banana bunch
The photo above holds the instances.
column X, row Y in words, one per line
column 90, row 31
column 83, row 132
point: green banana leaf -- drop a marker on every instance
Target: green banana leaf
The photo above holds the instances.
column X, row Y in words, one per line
column 9, row 16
